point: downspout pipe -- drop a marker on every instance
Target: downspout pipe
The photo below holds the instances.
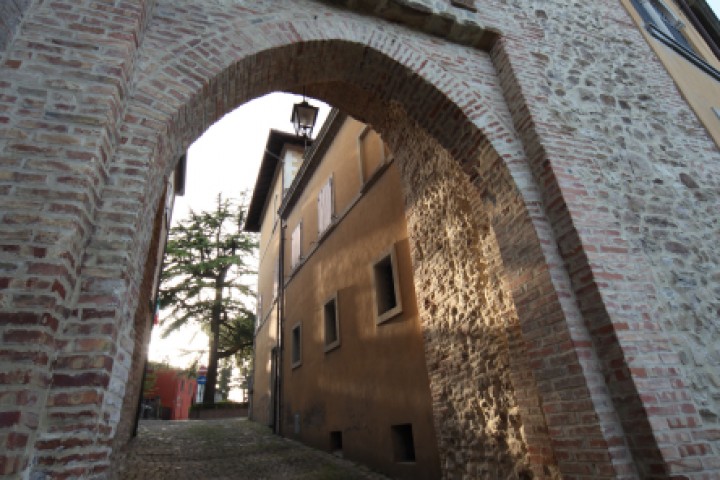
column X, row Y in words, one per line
column 280, row 325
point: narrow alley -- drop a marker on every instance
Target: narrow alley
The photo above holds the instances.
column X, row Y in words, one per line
column 227, row 449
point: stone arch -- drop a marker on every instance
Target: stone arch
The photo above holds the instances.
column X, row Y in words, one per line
column 168, row 108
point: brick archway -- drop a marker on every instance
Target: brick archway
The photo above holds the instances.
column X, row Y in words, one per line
column 168, row 72
column 388, row 79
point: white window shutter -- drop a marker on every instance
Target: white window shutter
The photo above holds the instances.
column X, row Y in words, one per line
column 325, row 206
column 295, row 245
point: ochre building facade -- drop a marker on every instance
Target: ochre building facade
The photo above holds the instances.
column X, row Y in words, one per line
column 561, row 186
column 283, row 156
column 351, row 377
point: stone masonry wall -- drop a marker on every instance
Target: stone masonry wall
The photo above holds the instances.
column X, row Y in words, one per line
column 477, row 365
column 598, row 184
column 627, row 284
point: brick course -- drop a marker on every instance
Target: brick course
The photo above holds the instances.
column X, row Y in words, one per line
column 586, row 190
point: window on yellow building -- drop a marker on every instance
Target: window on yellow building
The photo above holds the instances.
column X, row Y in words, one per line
column 662, row 24
column 336, row 442
column 325, row 206
column 386, row 285
column 658, row 16
column 331, row 324
column 296, row 345
column 371, row 153
column 296, row 245
column 403, row 444
column 291, row 164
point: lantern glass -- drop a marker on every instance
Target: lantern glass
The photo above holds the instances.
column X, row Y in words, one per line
column 303, row 118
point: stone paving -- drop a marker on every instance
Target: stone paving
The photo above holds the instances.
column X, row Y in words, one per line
column 228, row 449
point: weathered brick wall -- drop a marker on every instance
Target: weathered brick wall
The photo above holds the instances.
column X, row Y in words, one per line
column 597, row 182
column 142, row 328
column 63, row 77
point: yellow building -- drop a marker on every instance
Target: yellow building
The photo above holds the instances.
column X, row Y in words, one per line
column 685, row 34
column 283, row 155
column 352, row 375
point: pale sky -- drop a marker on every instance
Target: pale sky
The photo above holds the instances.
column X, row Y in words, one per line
column 715, row 5
column 226, row 158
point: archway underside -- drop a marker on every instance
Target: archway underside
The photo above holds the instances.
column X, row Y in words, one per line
column 431, row 135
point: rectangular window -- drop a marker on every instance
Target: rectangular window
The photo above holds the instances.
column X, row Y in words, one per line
column 371, row 151
column 331, row 323
column 296, row 345
column 658, row 15
column 388, row 302
column 325, row 206
column 291, row 164
column 663, row 25
column 336, row 443
column 403, row 445
column 296, row 245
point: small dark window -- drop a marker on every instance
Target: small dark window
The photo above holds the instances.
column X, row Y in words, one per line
column 387, row 289
column 673, row 25
column 336, row 443
column 331, row 323
column 403, row 445
column 384, row 286
column 296, row 341
column 296, row 422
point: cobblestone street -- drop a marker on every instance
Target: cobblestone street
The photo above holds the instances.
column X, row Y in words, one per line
column 228, row 449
